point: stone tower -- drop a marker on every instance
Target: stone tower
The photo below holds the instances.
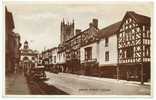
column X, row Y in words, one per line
column 67, row 31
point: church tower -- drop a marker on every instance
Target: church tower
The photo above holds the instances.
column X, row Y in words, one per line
column 67, row 31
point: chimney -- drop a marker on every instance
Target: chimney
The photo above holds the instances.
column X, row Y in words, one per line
column 130, row 12
column 90, row 25
column 95, row 23
column 78, row 31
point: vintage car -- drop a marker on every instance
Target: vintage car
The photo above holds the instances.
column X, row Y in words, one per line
column 38, row 72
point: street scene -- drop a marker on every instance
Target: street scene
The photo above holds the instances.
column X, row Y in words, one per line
column 78, row 49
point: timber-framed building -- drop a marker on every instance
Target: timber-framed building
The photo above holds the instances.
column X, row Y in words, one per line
column 134, row 46
column 120, row 50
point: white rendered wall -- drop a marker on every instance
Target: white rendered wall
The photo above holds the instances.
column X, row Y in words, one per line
column 53, row 55
column 60, row 58
column 112, row 48
column 94, row 51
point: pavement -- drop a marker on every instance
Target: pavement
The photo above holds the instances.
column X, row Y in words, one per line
column 86, row 85
column 16, row 84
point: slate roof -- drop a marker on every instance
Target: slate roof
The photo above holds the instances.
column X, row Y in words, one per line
column 109, row 30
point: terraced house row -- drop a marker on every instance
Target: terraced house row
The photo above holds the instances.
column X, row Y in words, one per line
column 121, row 50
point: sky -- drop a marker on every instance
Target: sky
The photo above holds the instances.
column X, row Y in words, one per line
column 39, row 24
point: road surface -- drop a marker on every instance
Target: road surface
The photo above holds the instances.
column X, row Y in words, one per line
column 82, row 85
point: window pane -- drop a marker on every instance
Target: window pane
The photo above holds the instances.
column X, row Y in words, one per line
column 107, row 56
column 106, row 42
column 88, row 53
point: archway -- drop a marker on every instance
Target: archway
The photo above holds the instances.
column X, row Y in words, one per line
column 25, row 58
column 25, row 64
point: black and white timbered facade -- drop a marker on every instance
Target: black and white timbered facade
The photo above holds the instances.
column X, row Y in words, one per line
column 73, row 52
column 121, row 50
column 134, row 46
column 89, row 49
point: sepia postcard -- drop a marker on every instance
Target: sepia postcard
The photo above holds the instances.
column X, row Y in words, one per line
column 78, row 49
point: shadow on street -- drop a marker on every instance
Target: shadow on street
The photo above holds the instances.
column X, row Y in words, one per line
column 38, row 87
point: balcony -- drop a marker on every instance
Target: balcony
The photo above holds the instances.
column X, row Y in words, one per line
column 89, row 60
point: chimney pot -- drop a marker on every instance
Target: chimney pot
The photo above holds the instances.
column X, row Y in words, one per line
column 78, row 31
column 90, row 25
column 95, row 23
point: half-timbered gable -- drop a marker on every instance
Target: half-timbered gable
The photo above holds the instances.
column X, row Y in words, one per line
column 134, row 39
column 89, row 38
column 73, row 51
column 73, row 47
column 89, row 35
column 89, row 48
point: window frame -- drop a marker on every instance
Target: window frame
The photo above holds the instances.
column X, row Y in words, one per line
column 129, row 52
column 88, row 53
column 107, row 56
column 106, row 41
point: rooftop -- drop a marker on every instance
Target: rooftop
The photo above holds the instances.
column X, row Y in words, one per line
column 109, row 30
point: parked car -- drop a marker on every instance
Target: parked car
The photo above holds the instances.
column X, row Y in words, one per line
column 38, row 72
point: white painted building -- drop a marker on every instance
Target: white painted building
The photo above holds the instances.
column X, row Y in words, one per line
column 54, row 55
column 89, row 52
column 61, row 58
column 104, row 50
column 89, row 47
column 101, row 56
column 108, row 53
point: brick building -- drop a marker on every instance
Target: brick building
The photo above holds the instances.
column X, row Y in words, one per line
column 12, row 44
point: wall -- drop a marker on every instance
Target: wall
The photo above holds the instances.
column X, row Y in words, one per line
column 112, row 48
column 61, row 58
column 22, row 56
column 94, row 51
column 54, row 54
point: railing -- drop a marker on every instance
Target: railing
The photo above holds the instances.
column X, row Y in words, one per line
column 89, row 60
